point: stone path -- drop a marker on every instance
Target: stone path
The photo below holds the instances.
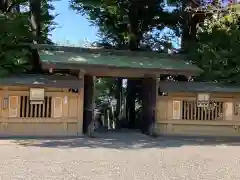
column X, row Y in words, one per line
column 119, row 156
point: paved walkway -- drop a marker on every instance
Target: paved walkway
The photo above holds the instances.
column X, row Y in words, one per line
column 119, row 156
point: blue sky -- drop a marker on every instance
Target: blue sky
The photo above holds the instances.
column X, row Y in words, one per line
column 72, row 27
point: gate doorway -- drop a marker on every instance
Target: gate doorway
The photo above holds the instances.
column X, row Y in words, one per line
column 110, row 111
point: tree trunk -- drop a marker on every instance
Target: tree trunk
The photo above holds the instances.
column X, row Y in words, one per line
column 35, row 14
column 185, row 27
column 4, row 5
column 189, row 24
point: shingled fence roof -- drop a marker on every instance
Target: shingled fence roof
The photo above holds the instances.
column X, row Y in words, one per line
column 41, row 80
column 172, row 86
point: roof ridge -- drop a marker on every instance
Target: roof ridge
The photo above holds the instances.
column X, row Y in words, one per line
column 70, row 49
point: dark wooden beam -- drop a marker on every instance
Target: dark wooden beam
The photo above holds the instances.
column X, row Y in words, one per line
column 88, row 104
column 149, row 92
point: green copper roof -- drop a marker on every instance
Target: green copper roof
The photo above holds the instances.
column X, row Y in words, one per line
column 41, row 80
column 171, row 86
column 113, row 58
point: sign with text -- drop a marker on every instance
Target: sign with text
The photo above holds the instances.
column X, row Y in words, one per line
column 203, row 100
column 203, row 97
column 36, row 94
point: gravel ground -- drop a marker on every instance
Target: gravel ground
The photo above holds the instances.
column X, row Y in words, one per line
column 119, row 156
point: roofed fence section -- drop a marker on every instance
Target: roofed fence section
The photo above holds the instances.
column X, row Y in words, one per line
column 172, row 86
column 41, row 80
column 198, row 108
column 41, row 105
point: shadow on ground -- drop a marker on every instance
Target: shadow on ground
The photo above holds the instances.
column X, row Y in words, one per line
column 128, row 140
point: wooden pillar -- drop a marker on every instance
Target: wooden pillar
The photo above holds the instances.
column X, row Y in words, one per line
column 119, row 102
column 149, row 92
column 88, row 103
column 130, row 103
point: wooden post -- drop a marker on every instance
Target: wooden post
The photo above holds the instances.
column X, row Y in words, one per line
column 81, row 104
column 88, row 104
column 119, row 102
column 149, row 92
column 130, row 103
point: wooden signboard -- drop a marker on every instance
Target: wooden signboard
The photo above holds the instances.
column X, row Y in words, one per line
column 36, row 96
column 203, row 97
column 203, row 100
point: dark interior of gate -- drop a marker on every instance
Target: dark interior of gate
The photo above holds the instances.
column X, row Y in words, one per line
column 143, row 67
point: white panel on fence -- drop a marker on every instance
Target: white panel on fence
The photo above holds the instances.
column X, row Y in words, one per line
column 176, row 110
column 13, row 106
column 58, row 107
column 228, row 110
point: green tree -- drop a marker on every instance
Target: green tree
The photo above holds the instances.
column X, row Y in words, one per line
column 17, row 29
column 14, row 30
column 105, row 90
column 217, row 48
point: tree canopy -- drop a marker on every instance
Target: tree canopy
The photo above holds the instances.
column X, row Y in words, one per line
column 17, row 29
column 217, row 48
